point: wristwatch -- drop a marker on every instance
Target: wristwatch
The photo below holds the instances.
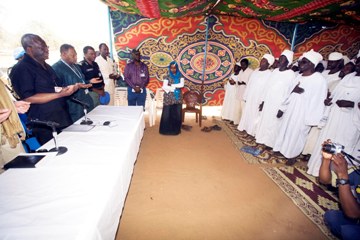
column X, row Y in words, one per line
column 341, row 181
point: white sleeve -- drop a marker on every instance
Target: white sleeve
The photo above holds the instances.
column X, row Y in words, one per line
column 166, row 86
column 179, row 85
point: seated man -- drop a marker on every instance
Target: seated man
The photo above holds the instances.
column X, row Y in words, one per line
column 344, row 223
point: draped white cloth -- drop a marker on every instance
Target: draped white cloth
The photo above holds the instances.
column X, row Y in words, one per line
column 277, row 90
column 343, row 124
column 80, row 194
column 253, row 97
column 301, row 111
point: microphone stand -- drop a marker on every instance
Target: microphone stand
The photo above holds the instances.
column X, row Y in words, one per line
column 60, row 150
column 86, row 120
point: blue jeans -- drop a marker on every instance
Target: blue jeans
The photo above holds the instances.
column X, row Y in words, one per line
column 136, row 99
column 341, row 226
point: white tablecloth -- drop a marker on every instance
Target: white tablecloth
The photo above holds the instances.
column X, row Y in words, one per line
column 80, row 194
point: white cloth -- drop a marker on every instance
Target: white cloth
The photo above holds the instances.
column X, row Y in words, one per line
column 277, row 90
column 252, row 96
column 331, row 79
column 228, row 108
column 239, row 104
column 302, row 111
column 107, row 67
column 343, row 124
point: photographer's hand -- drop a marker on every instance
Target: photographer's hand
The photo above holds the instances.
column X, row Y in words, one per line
column 324, row 172
column 340, row 166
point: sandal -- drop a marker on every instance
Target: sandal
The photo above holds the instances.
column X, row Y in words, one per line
column 216, row 127
column 206, row 129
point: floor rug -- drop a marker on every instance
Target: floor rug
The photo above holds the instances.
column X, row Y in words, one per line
column 311, row 198
column 252, row 151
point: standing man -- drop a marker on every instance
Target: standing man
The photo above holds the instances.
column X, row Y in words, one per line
column 253, row 95
column 36, row 82
column 108, row 70
column 303, row 109
column 137, row 77
column 92, row 74
column 278, row 88
column 244, row 76
column 70, row 73
column 228, row 111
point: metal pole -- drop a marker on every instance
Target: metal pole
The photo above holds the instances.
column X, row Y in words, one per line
column 204, row 66
column 294, row 37
column 110, row 34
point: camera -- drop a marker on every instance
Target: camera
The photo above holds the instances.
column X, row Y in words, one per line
column 332, row 148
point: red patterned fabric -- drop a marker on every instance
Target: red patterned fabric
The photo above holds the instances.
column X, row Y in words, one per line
column 149, row 8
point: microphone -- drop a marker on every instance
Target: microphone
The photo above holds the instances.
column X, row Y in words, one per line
column 47, row 123
column 84, row 104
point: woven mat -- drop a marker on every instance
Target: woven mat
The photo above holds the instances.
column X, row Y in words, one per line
column 311, row 198
column 243, row 140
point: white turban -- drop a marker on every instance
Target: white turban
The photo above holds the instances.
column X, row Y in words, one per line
column 18, row 52
column 313, row 57
column 335, row 56
column 270, row 58
column 238, row 63
column 346, row 59
column 289, row 55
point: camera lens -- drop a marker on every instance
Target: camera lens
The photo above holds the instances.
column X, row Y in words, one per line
column 329, row 148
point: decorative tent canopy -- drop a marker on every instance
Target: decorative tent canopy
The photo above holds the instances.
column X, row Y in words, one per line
column 338, row 11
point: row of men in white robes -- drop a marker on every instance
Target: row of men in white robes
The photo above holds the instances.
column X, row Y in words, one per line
column 281, row 106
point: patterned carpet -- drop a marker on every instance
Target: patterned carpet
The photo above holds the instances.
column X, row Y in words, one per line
column 313, row 200
column 246, row 143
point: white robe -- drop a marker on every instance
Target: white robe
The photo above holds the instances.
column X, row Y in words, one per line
column 277, row 90
column 301, row 111
column 239, row 104
column 331, row 79
column 228, row 108
column 342, row 124
column 253, row 97
column 107, row 67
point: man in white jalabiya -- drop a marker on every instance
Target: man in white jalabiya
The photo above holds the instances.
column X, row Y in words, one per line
column 303, row 109
column 277, row 90
column 253, row 95
column 244, row 76
column 334, row 65
column 343, row 121
column 108, row 69
column 228, row 108
column 314, row 133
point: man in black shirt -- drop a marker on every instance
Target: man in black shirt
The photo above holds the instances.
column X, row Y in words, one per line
column 92, row 74
column 36, row 82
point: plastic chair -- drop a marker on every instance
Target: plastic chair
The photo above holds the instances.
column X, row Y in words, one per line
column 159, row 98
column 192, row 101
column 30, row 144
column 120, row 96
column 150, row 106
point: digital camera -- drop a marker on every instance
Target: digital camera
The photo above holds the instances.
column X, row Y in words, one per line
column 332, row 148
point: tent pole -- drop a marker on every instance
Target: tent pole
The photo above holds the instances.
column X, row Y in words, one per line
column 110, row 34
column 294, row 37
column 204, row 66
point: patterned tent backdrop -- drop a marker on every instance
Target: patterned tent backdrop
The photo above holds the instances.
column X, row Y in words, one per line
column 230, row 39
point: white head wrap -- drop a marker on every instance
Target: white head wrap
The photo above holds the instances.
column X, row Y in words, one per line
column 346, row 59
column 313, row 57
column 289, row 55
column 18, row 52
column 270, row 58
column 238, row 63
column 335, row 56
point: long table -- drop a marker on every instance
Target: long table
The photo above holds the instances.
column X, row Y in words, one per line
column 80, row 194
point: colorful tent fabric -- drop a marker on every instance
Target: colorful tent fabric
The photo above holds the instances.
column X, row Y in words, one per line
column 338, row 11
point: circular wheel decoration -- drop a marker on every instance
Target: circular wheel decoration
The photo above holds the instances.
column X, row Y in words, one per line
column 161, row 59
column 218, row 62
